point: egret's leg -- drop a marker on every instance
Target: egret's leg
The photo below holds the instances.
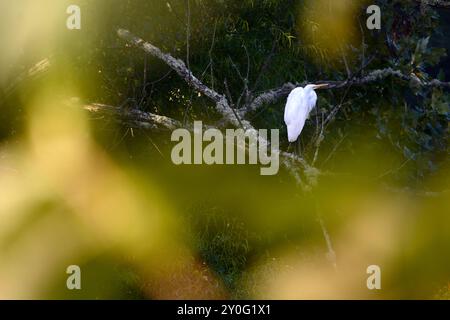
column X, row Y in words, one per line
column 289, row 147
column 298, row 147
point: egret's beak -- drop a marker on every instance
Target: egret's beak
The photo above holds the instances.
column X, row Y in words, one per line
column 320, row 86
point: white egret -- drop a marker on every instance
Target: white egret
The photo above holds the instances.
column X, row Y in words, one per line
column 300, row 103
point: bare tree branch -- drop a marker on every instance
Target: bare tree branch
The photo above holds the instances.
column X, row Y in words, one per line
column 270, row 97
column 34, row 72
column 133, row 117
column 275, row 95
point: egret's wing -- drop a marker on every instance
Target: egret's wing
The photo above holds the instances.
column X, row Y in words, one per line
column 293, row 103
column 295, row 114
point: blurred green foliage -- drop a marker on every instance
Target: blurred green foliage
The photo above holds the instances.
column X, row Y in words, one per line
column 401, row 127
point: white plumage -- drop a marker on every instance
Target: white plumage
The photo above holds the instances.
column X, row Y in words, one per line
column 300, row 103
